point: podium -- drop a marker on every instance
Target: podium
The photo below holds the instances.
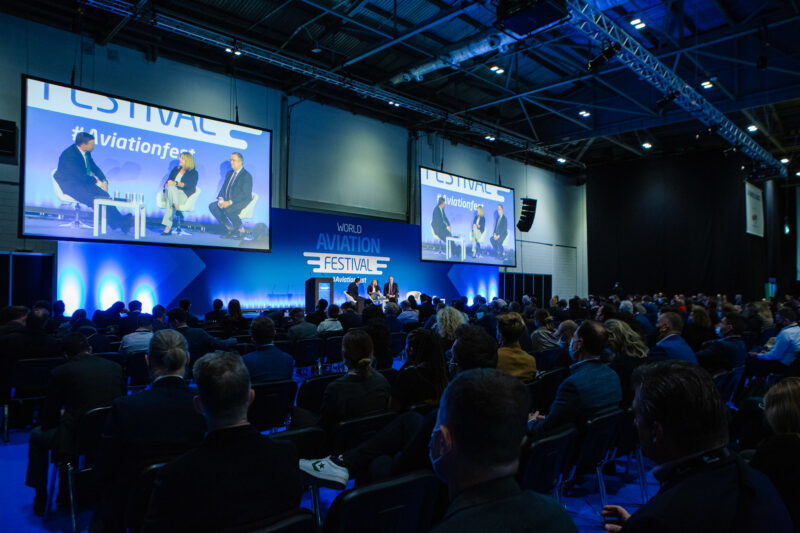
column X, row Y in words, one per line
column 316, row 289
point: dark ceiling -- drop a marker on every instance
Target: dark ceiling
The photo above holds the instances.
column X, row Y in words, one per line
column 747, row 49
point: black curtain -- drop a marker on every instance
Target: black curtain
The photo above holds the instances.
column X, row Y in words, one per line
column 676, row 225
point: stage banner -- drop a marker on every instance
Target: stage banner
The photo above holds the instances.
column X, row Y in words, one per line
column 754, row 210
column 305, row 245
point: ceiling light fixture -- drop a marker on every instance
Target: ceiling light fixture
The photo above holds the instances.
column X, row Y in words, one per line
column 646, row 145
column 229, row 49
column 490, row 138
column 640, row 26
column 237, row 52
column 634, row 22
column 785, row 160
column 494, row 68
column 707, row 84
column 584, row 113
column 499, row 71
column 752, row 128
column 561, row 160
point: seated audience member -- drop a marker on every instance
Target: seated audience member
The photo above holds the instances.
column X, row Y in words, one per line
column 130, row 322
column 266, row 363
column 151, row 425
column 234, row 322
column 670, row 344
column 729, row 351
column 83, row 383
column 486, row 317
column 448, row 319
column 591, row 390
column 319, row 314
column 423, row 377
column 200, row 342
column 699, row 330
column 606, row 311
column 360, row 392
column 408, row 315
column 109, row 317
column 331, row 323
column 392, row 310
column 57, row 318
column 426, row 309
column 565, row 332
column 371, row 312
column 217, row 314
column 401, row 446
column 236, row 476
column 511, row 357
column 474, row 448
column 629, row 351
column 682, row 426
column 159, row 318
column 381, row 337
column 139, row 340
column 24, row 336
column 348, row 316
column 779, row 456
column 191, row 320
column 783, row 352
column 544, row 338
column 300, row 329
column 97, row 340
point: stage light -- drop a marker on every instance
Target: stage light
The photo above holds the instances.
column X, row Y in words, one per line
column 561, row 160
column 499, row 71
column 494, row 68
column 145, row 294
column 707, row 84
column 584, row 113
column 785, row 160
column 752, row 128
column 634, row 22
column 786, row 228
column 237, row 52
column 640, row 26
column 490, row 138
column 797, row 173
column 229, row 49
column 317, row 49
column 71, row 290
column 646, row 145
column 109, row 290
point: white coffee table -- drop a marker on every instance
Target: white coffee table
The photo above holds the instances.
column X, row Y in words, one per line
column 449, row 245
column 139, row 218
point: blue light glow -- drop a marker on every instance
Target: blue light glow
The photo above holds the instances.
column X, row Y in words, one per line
column 71, row 290
column 109, row 290
column 145, row 294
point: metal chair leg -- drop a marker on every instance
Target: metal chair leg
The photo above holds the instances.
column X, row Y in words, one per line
column 316, row 503
column 71, row 487
column 642, row 475
column 601, row 484
column 51, row 489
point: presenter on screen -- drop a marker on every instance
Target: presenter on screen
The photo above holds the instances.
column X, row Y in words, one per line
column 236, row 193
column 390, row 288
column 500, row 231
column 373, row 288
column 478, row 227
column 79, row 177
column 352, row 290
column 439, row 221
column 180, row 186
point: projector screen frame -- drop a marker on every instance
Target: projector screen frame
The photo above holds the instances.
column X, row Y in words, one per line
column 467, row 261
column 22, row 164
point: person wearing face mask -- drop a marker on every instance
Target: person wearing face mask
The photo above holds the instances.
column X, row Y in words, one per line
column 591, row 390
column 474, row 448
column 727, row 352
column 670, row 344
column 783, row 352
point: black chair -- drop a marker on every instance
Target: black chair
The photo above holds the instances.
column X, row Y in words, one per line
column 309, row 442
column 312, row 391
column 350, row 433
column 597, row 447
column 139, row 496
column 397, row 343
column 728, row 382
column 114, row 346
column 333, row 350
column 137, row 370
column 114, row 357
column 628, row 445
column 543, row 389
column 543, row 460
column 285, row 346
column 547, row 359
column 402, row 504
column 307, row 352
column 29, row 381
column 408, row 327
column 272, row 404
column 390, row 374
column 295, row 521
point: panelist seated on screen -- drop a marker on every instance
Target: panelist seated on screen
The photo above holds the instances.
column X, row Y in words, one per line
column 476, row 233
column 79, row 176
column 373, row 288
column 180, row 186
column 439, row 221
column 236, row 193
column 500, row 231
column 390, row 288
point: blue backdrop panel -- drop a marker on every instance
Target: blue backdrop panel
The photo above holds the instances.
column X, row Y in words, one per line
column 305, row 245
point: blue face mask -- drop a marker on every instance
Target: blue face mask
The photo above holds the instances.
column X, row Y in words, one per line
column 479, row 314
column 718, row 330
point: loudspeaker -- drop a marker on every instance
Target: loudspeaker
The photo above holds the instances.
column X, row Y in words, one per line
column 524, row 17
column 8, row 138
column 526, row 215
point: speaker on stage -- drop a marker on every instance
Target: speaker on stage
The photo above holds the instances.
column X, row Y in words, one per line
column 526, row 215
column 316, row 289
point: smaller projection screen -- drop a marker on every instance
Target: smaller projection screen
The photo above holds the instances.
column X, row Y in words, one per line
column 465, row 220
column 96, row 167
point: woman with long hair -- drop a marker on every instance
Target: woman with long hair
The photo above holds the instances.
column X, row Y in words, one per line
column 180, row 185
column 629, row 351
column 447, row 321
column 235, row 320
column 423, row 377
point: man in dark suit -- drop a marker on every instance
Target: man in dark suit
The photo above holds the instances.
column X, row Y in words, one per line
column 348, row 317
column 109, row 317
column 682, row 425
column 266, row 363
column 352, row 290
column 130, row 322
column 439, row 221
column 591, row 390
column 390, row 289
column 500, row 231
column 426, row 309
column 237, row 476
column 474, row 448
column 82, row 383
column 186, row 305
column 159, row 318
column 728, row 352
column 319, row 314
column 217, row 314
column 79, row 177
column 200, row 342
column 156, row 424
column 235, row 194
column 671, row 345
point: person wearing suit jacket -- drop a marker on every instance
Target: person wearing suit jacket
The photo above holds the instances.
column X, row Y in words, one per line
column 500, row 231
column 390, row 289
column 266, row 363
column 478, row 227
column 156, row 424
column 439, row 221
column 728, row 352
column 82, row 383
column 200, row 342
column 236, row 476
column 671, row 345
column 80, row 177
column 181, row 185
column 236, row 193
column 591, row 390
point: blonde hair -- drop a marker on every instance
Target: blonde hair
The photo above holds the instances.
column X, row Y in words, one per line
column 168, row 350
column 188, row 160
column 766, row 314
column 782, row 406
column 447, row 320
column 623, row 340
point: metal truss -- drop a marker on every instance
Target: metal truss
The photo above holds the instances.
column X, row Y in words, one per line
column 601, row 30
column 259, row 53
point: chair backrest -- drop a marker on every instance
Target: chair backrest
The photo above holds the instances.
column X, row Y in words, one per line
column 543, row 389
column 390, row 374
column 139, row 496
column 31, row 377
column 333, row 349
column 415, row 294
column 188, row 205
column 408, row 327
column 599, row 438
column 136, row 369
column 309, row 442
column 546, row 359
column 397, row 343
column 543, row 459
column 307, row 351
column 349, row 298
column 728, row 381
column 114, row 357
column 88, row 431
column 285, row 346
column 247, row 212
column 627, row 439
column 272, row 404
column 312, row 391
column 401, row 504
column 62, row 197
column 350, row 433
column 295, row 521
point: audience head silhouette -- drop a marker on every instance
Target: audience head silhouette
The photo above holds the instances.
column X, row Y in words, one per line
column 473, row 348
column 262, row 330
column 75, row 344
column 223, row 387
column 177, row 317
column 510, row 327
column 588, row 341
column 357, row 350
column 782, row 406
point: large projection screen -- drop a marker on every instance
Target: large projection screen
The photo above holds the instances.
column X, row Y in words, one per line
column 134, row 179
column 465, row 220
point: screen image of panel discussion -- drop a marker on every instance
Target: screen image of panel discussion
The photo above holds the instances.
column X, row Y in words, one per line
column 99, row 167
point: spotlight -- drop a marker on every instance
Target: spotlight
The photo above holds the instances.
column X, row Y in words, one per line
column 646, row 145
column 494, row 68
column 316, row 48
column 561, row 160
column 499, row 71
column 608, row 52
column 229, row 49
column 397, row 104
column 707, row 84
column 785, row 160
column 490, row 138
column 237, row 52
column 634, row 22
column 797, row 173
column 640, row 26
column 752, row 128
column 786, row 229
column 584, row 113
